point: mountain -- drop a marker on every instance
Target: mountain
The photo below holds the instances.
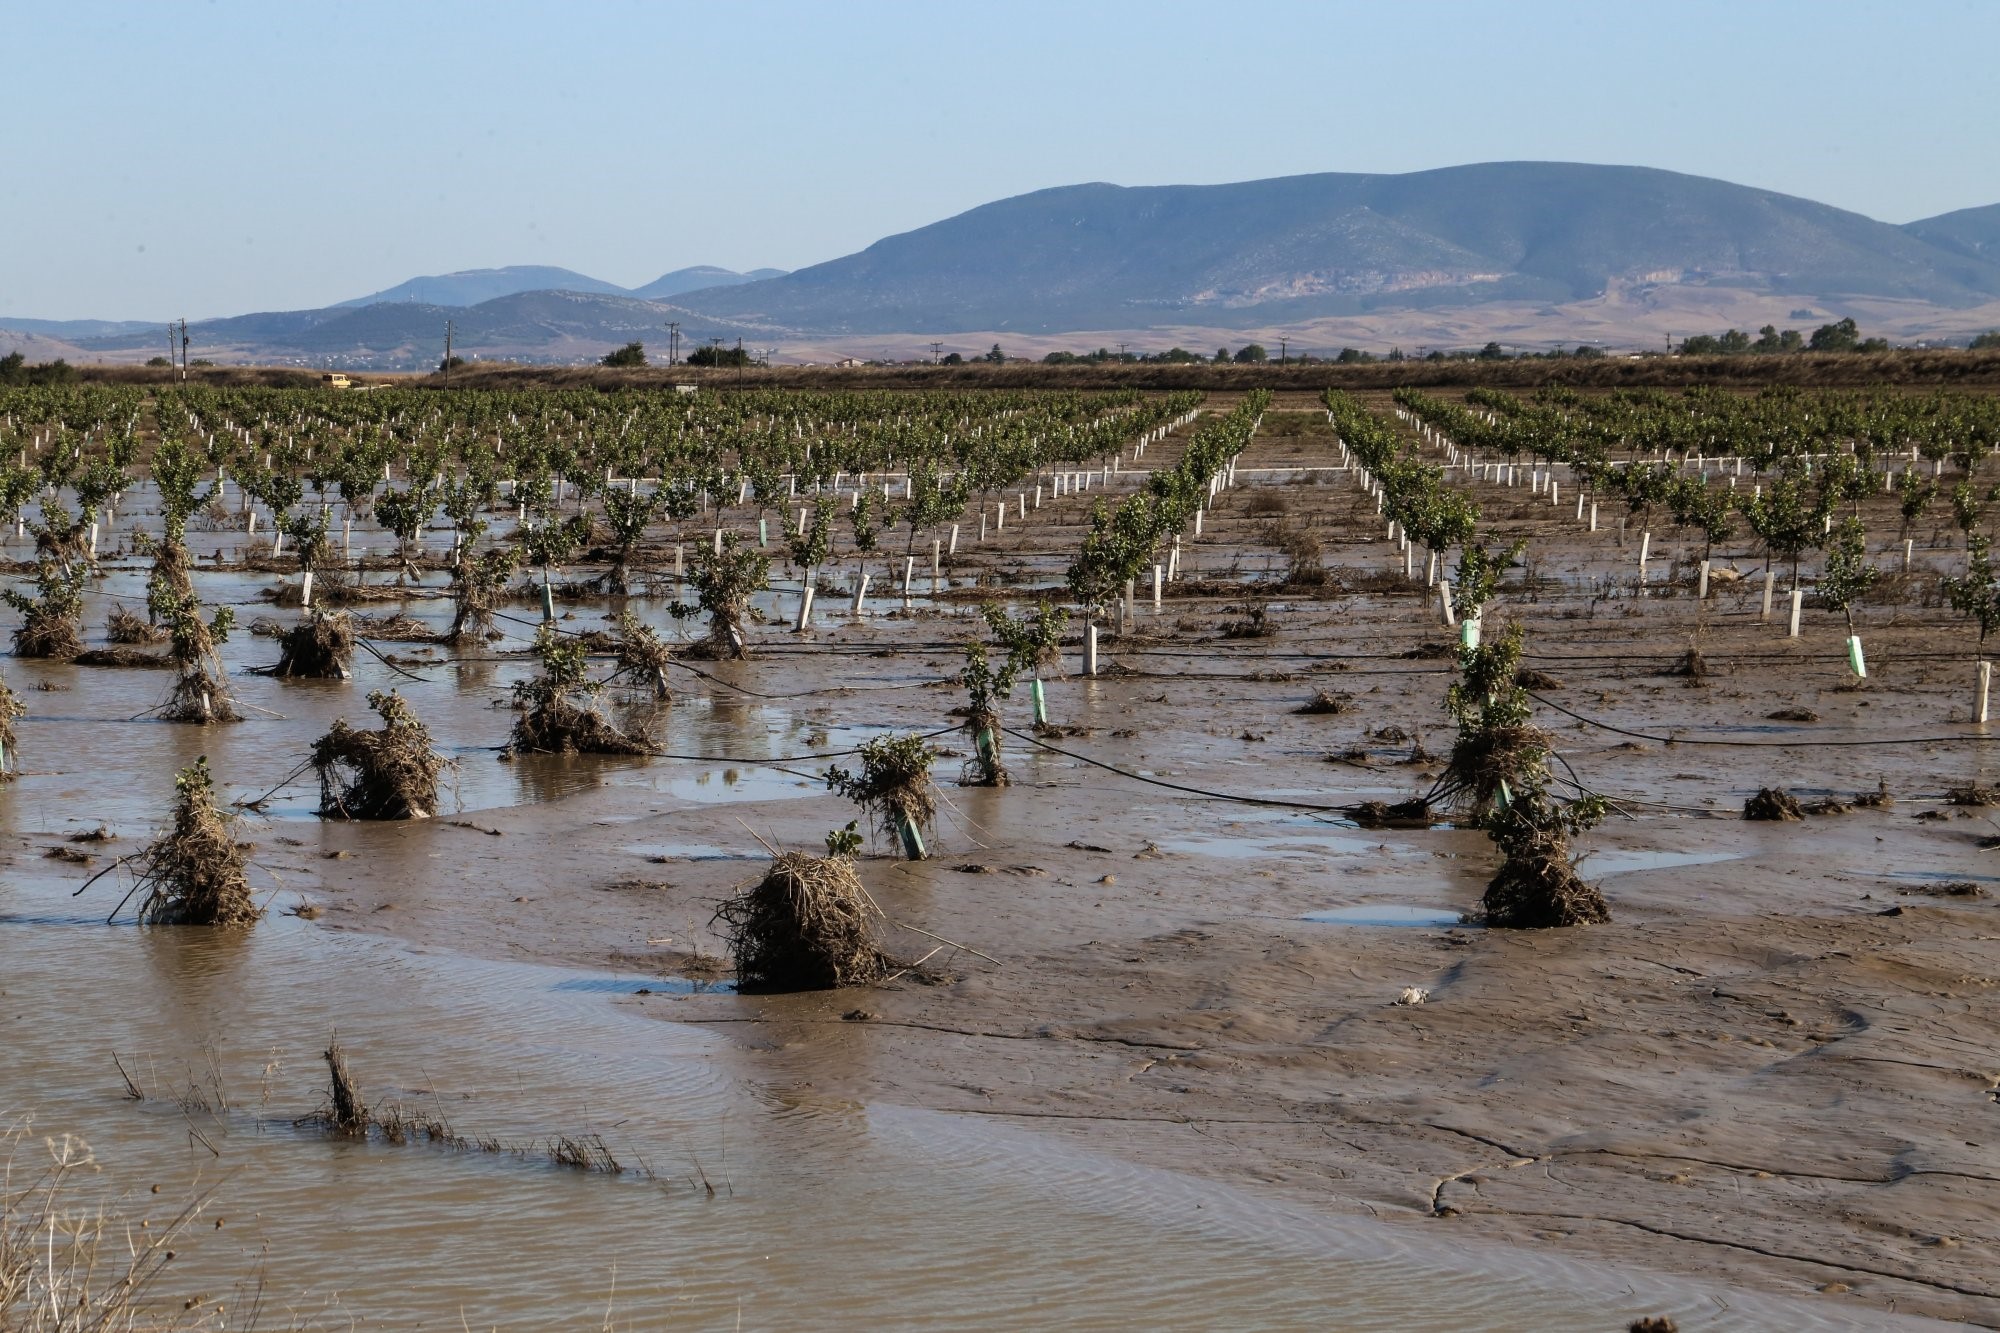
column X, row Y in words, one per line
column 1263, row 253
column 1969, row 231
column 697, row 278
column 528, row 326
column 474, row 285
column 71, row 329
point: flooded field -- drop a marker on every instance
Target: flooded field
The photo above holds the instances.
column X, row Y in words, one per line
column 1157, row 1071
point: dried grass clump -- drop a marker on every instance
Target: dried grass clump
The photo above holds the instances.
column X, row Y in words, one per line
column 1537, row 886
column 319, row 647
column 1773, row 803
column 1971, row 794
column 120, row 656
column 1303, row 554
column 194, row 875
column 124, row 626
column 390, row 773
column 1481, row 760
column 52, row 637
column 1383, row 814
column 1529, row 678
column 1323, row 702
column 1256, row 624
column 808, row 924
column 396, row 629
column 1879, row 799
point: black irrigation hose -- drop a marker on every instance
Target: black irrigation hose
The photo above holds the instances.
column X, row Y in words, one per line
column 1759, row 745
column 1032, row 739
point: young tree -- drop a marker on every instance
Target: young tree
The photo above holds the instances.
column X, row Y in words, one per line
column 629, row 357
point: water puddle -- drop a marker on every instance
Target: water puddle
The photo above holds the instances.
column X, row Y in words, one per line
column 1386, row 914
column 651, row 986
column 1617, row 862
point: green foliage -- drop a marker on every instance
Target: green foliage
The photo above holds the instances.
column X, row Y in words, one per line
column 844, row 841
column 712, row 355
column 1977, row 592
column 724, row 583
column 1786, row 519
column 1847, row 576
column 629, row 357
column 892, row 785
column 1479, row 571
column 809, row 549
column 1914, row 495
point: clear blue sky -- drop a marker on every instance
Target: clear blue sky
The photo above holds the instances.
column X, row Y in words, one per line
column 209, row 157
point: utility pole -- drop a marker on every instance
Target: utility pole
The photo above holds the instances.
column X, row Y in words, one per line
column 673, row 343
column 184, row 349
column 936, row 350
column 740, row 359
column 1284, row 349
column 444, row 366
column 171, row 374
column 1121, row 351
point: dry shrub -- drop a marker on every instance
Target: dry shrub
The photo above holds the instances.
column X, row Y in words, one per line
column 390, row 773
column 1483, row 759
column 560, row 713
column 1256, row 624
column 11, row 707
column 643, row 655
column 808, row 924
column 1693, row 667
column 1971, row 794
column 1879, row 799
column 1773, row 803
column 1324, row 701
column 317, row 648
column 77, row 1267
column 346, row 1111
column 194, row 874
column 894, row 787
column 124, row 626
column 1265, row 504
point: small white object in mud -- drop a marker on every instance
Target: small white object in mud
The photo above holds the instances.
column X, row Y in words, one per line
column 1413, row 995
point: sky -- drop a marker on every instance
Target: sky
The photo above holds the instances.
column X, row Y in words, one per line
column 208, row 157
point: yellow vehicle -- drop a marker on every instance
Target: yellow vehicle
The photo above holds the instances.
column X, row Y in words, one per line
column 336, row 381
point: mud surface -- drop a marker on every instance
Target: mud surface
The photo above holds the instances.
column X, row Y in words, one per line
column 1774, row 1070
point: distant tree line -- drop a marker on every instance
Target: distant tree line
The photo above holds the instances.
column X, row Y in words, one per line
column 15, row 370
column 1842, row 336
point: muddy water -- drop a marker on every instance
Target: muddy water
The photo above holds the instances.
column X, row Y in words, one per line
column 825, row 1213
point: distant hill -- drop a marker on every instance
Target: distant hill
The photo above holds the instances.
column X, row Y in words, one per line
column 1304, row 247
column 697, row 278
column 474, row 285
column 477, row 285
column 1969, row 231
column 530, row 326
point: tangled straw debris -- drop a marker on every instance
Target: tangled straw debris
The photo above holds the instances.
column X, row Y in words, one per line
column 389, row 773
column 808, row 924
column 1773, row 803
column 1322, row 702
column 319, row 647
column 194, row 874
column 125, row 626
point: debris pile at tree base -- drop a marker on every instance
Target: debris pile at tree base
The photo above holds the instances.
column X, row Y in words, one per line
column 807, row 925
